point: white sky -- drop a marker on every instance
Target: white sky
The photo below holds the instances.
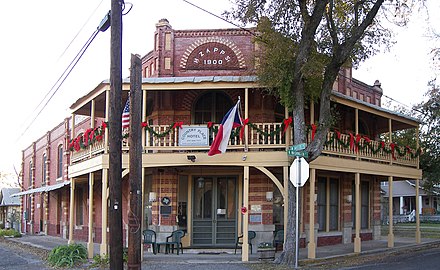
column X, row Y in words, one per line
column 35, row 35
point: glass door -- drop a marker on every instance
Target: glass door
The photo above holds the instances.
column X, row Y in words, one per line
column 214, row 211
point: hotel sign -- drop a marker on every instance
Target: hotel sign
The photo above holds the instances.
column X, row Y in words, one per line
column 194, row 136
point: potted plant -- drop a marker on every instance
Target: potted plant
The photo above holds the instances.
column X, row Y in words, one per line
column 266, row 251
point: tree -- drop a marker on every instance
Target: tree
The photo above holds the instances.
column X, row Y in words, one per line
column 305, row 45
column 429, row 137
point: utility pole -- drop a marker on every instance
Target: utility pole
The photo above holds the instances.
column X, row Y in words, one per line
column 115, row 138
column 135, row 160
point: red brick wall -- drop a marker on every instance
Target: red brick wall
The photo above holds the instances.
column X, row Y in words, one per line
column 259, row 184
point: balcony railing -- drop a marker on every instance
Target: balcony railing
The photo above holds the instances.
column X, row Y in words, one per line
column 263, row 136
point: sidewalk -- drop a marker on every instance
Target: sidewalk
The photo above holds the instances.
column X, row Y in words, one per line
column 219, row 256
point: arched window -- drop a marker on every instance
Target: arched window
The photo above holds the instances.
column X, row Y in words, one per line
column 60, row 161
column 211, row 107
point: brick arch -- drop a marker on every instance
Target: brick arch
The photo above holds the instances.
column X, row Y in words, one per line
column 196, row 44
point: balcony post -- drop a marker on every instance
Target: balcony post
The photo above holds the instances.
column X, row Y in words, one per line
column 144, row 118
column 390, row 210
column 103, row 249
column 71, row 210
column 418, row 210
column 356, row 127
column 107, row 108
column 390, row 131
column 246, row 116
column 92, row 122
column 311, row 248
column 245, row 245
column 90, row 236
column 357, row 238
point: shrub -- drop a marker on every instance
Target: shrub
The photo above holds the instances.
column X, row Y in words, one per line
column 67, row 255
column 101, row 261
column 265, row 245
column 9, row 232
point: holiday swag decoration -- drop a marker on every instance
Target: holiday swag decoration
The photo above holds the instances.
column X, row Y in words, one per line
column 89, row 137
column 356, row 142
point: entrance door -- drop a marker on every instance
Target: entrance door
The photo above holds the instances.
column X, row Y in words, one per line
column 214, row 211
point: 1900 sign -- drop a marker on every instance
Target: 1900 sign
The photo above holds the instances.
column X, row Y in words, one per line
column 212, row 55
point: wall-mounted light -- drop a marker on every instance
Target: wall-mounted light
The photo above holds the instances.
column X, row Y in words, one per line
column 269, row 196
column 191, row 158
column 349, row 198
column 152, row 197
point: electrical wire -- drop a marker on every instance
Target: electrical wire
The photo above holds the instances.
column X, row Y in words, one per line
column 80, row 30
column 61, row 79
column 219, row 17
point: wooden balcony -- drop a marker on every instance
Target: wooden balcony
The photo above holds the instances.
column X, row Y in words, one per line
column 264, row 137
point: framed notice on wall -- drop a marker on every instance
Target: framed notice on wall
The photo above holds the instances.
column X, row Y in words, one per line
column 193, row 136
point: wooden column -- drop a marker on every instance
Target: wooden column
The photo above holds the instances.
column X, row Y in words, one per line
column 311, row 248
column 103, row 249
column 246, row 116
column 390, row 210
column 357, row 238
column 286, row 198
column 71, row 210
column 90, row 239
column 245, row 247
column 418, row 234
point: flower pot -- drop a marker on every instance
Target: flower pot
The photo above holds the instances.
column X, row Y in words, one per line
column 266, row 253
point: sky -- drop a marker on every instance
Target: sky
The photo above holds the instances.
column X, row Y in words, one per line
column 40, row 39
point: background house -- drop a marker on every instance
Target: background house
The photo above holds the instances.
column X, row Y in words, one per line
column 9, row 209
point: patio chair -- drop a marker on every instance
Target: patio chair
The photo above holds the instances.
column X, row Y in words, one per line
column 278, row 239
column 175, row 239
column 150, row 238
column 239, row 241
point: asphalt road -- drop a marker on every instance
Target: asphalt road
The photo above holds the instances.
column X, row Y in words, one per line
column 418, row 258
column 13, row 257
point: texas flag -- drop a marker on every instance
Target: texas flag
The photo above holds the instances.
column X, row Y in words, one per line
column 231, row 120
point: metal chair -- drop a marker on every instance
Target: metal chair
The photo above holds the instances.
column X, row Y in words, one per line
column 239, row 241
column 175, row 239
column 278, row 239
column 150, row 238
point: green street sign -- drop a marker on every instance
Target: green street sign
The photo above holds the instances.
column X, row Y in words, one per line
column 298, row 147
column 292, row 153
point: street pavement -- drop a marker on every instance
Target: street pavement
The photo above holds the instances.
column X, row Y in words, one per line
column 195, row 259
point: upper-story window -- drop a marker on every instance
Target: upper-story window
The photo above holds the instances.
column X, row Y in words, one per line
column 60, row 161
column 211, row 107
column 43, row 169
column 30, row 173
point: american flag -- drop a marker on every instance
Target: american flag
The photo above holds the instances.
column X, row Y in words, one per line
column 126, row 115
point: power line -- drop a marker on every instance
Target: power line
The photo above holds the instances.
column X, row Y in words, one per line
column 102, row 27
column 219, row 17
column 80, row 30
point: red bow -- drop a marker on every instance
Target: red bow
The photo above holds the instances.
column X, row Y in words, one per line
column 210, row 124
column 313, row 131
column 338, row 134
column 104, row 125
column 287, row 123
column 358, row 139
column 392, row 145
column 144, row 124
column 367, row 139
column 177, row 124
column 351, row 141
column 245, row 122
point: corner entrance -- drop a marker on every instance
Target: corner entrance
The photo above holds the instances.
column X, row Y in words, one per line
column 214, row 211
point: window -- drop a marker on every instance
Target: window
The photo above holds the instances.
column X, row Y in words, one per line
column 328, row 204
column 365, row 205
column 30, row 173
column 79, row 207
column 60, row 162
column 211, row 107
column 43, row 170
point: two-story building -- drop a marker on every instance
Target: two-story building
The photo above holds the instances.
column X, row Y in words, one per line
column 190, row 80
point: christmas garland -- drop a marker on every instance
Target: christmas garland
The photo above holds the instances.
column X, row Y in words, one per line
column 89, row 137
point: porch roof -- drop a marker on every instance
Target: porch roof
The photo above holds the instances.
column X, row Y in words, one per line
column 42, row 189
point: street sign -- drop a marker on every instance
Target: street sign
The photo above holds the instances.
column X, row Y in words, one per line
column 298, row 147
column 292, row 153
column 299, row 172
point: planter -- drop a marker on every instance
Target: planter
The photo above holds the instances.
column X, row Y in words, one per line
column 266, row 253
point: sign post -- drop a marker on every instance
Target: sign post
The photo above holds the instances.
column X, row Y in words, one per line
column 299, row 173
